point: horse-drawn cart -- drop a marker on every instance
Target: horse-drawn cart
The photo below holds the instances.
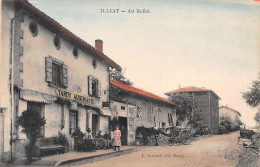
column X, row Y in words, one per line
column 246, row 134
column 172, row 135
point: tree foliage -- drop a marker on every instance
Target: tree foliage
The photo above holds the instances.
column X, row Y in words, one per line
column 31, row 122
column 187, row 109
column 252, row 97
column 119, row 77
column 257, row 117
column 226, row 121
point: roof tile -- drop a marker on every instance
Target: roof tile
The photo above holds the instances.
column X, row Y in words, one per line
column 132, row 89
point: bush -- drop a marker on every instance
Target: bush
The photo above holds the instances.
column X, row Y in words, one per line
column 222, row 129
column 63, row 140
column 226, row 121
column 31, row 122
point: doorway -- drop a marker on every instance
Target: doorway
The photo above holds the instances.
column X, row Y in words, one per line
column 95, row 127
column 123, row 128
column 73, row 121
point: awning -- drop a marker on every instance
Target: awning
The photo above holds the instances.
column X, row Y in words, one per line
column 105, row 111
column 35, row 96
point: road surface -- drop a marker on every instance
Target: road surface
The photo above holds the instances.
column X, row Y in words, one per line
column 208, row 151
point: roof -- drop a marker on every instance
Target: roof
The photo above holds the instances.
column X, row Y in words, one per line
column 190, row 89
column 65, row 33
column 230, row 109
column 138, row 91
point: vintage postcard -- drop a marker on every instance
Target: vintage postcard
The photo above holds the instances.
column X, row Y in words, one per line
column 130, row 83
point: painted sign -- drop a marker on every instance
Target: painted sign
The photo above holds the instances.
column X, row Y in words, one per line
column 65, row 94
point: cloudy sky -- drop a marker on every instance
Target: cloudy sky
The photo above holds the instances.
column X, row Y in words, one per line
column 203, row 43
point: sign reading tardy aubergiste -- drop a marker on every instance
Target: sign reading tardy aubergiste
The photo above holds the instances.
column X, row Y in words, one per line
column 65, row 94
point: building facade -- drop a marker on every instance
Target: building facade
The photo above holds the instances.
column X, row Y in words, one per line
column 234, row 115
column 208, row 103
column 135, row 108
column 46, row 67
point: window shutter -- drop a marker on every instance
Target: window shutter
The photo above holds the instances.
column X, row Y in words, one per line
column 48, row 69
column 99, row 89
column 89, row 85
column 65, row 76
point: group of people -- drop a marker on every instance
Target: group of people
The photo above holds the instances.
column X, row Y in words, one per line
column 79, row 138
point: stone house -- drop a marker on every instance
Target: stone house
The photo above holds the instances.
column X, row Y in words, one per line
column 234, row 115
column 207, row 101
column 136, row 107
column 45, row 66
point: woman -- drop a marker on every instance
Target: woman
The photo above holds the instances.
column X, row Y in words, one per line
column 117, row 138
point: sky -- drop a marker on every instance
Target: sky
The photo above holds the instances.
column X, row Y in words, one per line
column 213, row 44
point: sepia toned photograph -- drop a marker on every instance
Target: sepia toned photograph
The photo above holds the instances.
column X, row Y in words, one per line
column 130, row 83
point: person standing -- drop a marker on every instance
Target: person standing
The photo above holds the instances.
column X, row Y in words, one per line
column 117, row 138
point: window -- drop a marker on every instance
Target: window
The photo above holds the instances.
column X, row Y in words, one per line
column 56, row 42
column 94, row 87
column 94, row 63
column 56, row 72
column 122, row 107
column 75, row 52
column 170, row 119
column 33, row 29
column 56, row 75
column 163, row 125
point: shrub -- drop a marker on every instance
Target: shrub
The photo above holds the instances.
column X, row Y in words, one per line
column 226, row 121
column 63, row 140
column 31, row 122
column 222, row 129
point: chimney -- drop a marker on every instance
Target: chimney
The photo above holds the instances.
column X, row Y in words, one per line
column 179, row 86
column 99, row 45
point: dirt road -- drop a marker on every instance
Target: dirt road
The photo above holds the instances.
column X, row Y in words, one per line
column 208, row 151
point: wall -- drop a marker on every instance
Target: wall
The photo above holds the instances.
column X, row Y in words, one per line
column 7, row 13
column 208, row 104
column 224, row 112
column 41, row 46
column 214, row 120
column 138, row 113
column 201, row 100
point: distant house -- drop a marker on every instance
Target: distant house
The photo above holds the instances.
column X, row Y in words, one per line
column 207, row 101
column 234, row 115
column 135, row 107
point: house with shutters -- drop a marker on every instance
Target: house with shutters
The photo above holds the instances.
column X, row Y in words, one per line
column 208, row 103
column 47, row 68
column 135, row 107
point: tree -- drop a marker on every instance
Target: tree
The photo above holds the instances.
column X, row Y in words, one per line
column 226, row 121
column 31, row 122
column 257, row 117
column 187, row 110
column 119, row 77
column 252, row 96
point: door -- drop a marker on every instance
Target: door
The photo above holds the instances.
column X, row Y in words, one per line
column 73, row 121
column 123, row 128
column 94, row 125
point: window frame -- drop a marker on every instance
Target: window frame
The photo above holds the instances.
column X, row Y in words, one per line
column 63, row 76
column 90, row 87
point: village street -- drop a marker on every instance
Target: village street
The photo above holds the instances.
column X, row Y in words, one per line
column 208, row 151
